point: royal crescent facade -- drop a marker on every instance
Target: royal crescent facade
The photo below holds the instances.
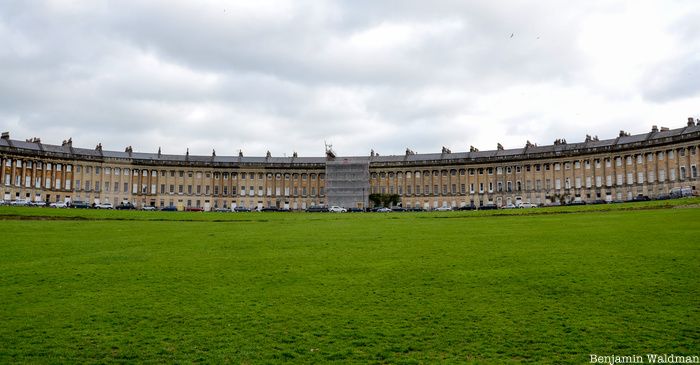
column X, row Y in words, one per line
column 619, row 168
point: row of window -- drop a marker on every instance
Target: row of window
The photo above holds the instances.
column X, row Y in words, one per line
column 510, row 187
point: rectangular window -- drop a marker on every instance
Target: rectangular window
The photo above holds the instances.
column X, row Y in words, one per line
column 640, row 177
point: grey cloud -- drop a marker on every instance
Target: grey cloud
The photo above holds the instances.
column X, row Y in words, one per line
column 207, row 75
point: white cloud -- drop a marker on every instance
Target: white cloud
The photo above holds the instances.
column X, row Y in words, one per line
column 285, row 75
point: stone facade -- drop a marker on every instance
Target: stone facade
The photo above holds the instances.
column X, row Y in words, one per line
column 615, row 169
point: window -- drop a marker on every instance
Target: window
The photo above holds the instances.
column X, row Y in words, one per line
column 629, row 160
column 557, row 166
column 639, row 159
column 682, row 171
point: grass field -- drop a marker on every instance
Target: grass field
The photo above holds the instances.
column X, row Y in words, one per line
column 527, row 286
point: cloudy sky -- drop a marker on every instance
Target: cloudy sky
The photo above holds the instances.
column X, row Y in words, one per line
column 287, row 75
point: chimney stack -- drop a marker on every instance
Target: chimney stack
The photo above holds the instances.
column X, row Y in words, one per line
column 654, row 128
column 691, row 122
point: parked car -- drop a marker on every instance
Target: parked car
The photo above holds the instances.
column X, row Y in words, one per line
column 383, row 210
column 509, row 206
column 317, row 208
column 169, row 208
column 222, row 210
column 269, row 209
column 355, row 210
column 79, row 204
column 640, row 198
column 488, row 206
column 20, row 203
column 663, row 197
column 417, row 209
column 104, row 206
column 194, row 209
column 681, row 192
column 125, row 206
column 527, row 205
column 467, row 207
column 443, row 209
column 38, row 203
column 149, row 208
column 59, row 205
column 241, row 209
column 577, row 202
column 337, row 209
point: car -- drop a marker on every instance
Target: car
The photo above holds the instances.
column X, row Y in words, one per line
column 169, row 208
column 488, row 206
column 598, row 201
column 577, row 202
column 640, row 198
column 383, row 210
column 355, row 210
column 443, row 209
column 79, row 204
column 104, row 206
column 20, row 203
column 527, row 205
column 467, row 207
column 194, row 209
column 241, row 209
column 125, row 206
column 269, row 209
column 417, row 209
column 509, row 206
column 149, row 208
column 663, row 197
column 59, row 205
column 38, row 203
column 316, row 209
column 222, row 210
column 337, row 209
column 683, row 192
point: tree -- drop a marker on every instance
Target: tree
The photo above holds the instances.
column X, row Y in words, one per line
column 384, row 200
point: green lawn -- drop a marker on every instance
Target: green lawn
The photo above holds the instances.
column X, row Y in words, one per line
column 455, row 287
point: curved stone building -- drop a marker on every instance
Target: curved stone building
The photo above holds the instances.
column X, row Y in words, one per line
column 620, row 168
